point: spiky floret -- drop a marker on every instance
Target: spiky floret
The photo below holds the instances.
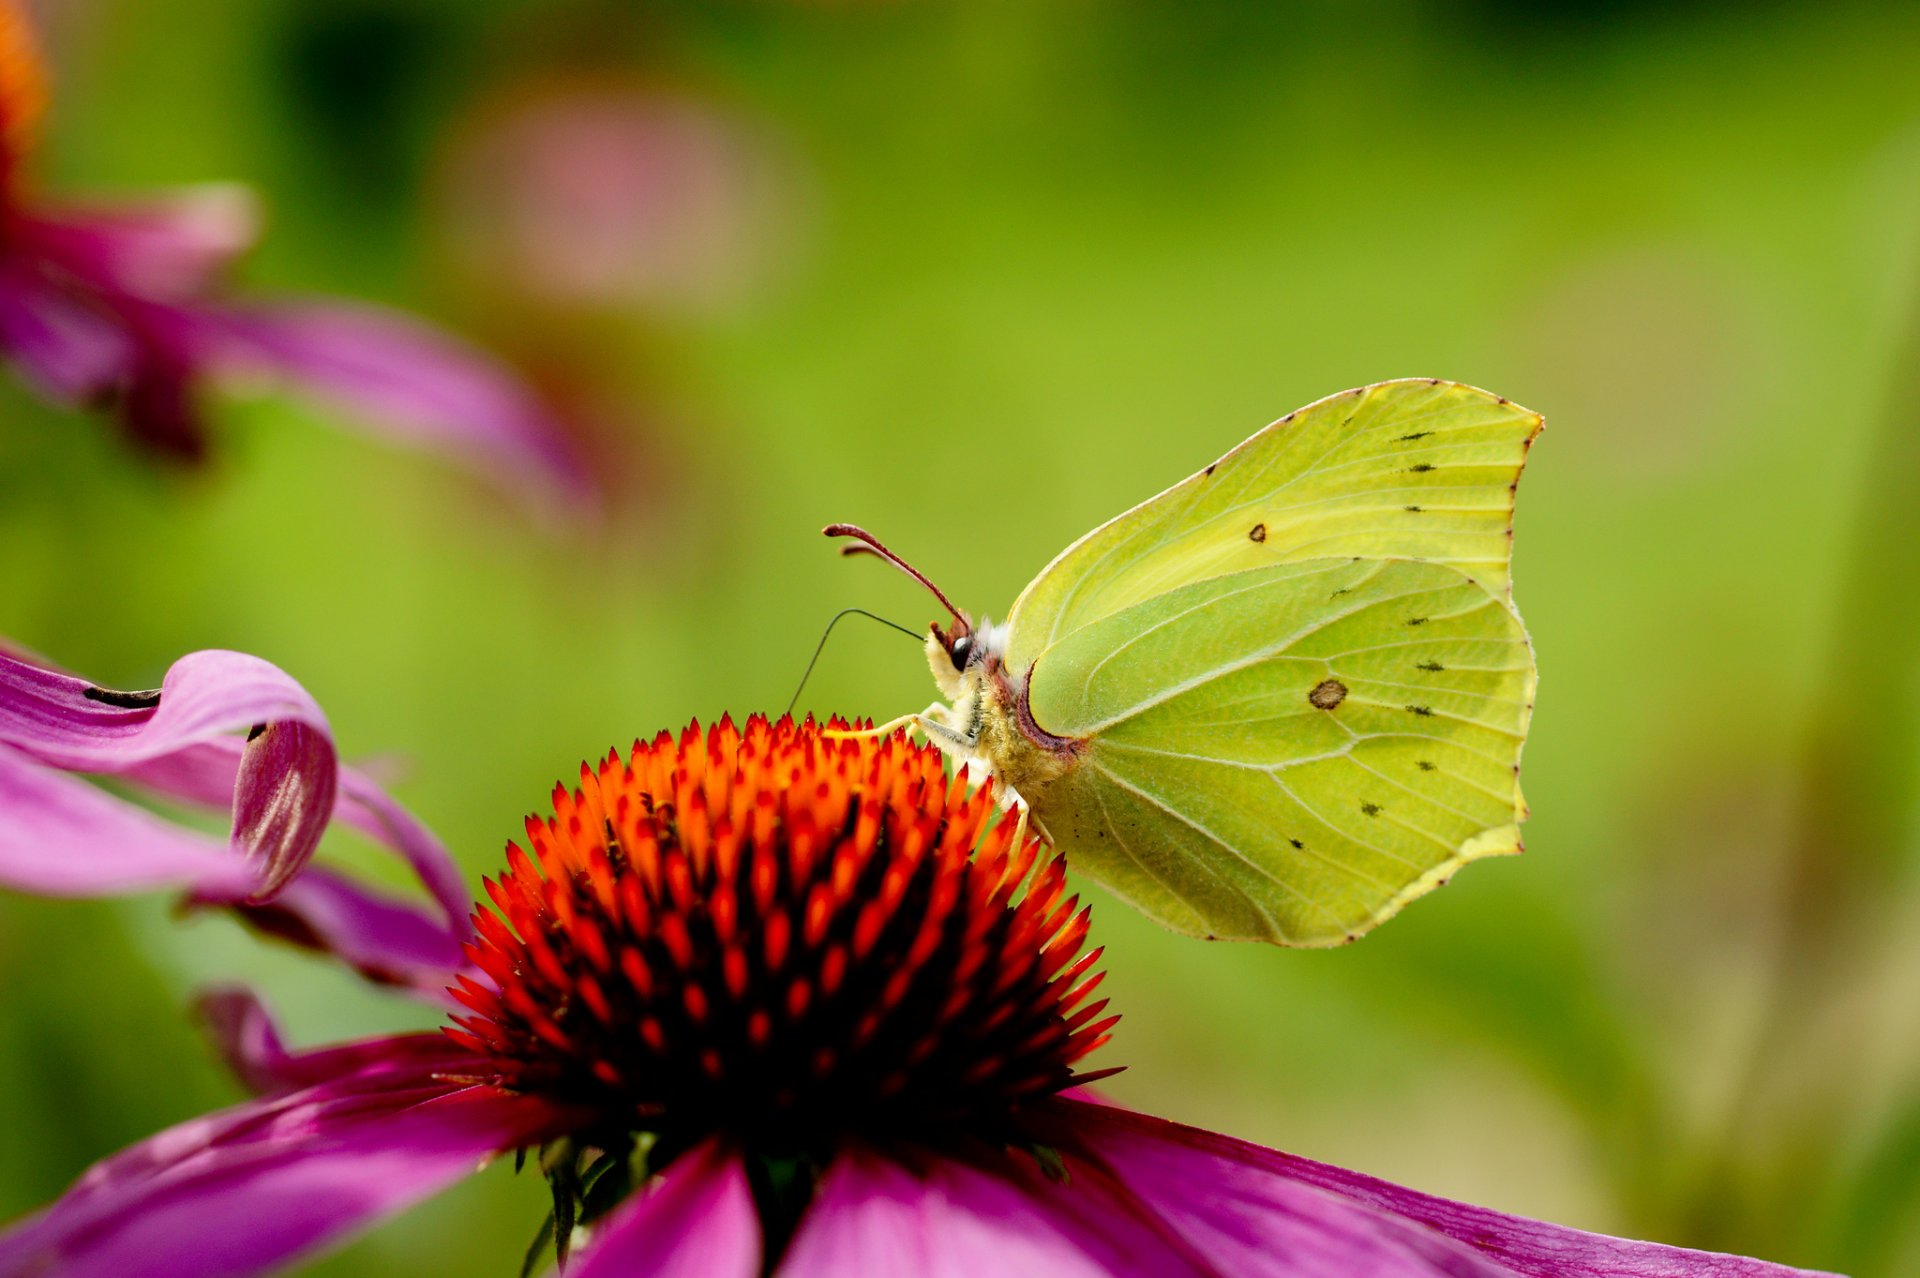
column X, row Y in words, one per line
column 776, row 934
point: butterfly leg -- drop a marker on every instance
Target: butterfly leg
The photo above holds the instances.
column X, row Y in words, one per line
column 1024, row 819
column 930, row 722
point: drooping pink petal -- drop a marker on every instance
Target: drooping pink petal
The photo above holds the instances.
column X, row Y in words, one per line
column 696, row 1221
column 204, row 774
column 287, row 778
column 62, row 836
column 245, row 1190
column 387, row 941
column 419, row 384
column 947, row 1219
column 368, row 808
column 1258, row 1211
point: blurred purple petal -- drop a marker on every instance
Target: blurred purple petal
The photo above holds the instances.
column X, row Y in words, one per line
column 387, row 941
column 170, row 246
column 287, row 778
column 951, row 1220
column 1256, row 1211
column 71, row 352
column 696, row 1221
column 61, row 836
column 157, row 405
column 425, row 386
column 250, row 1188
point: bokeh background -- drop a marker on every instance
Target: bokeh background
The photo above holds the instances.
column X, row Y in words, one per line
column 980, row 274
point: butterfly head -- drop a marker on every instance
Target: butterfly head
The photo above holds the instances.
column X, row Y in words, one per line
column 963, row 653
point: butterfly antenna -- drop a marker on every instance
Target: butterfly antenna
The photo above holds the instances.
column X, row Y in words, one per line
column 821, row 647
column 872, row 545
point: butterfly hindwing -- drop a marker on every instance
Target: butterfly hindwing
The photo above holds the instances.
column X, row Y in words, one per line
column 1290, row 753
column 1414, row 469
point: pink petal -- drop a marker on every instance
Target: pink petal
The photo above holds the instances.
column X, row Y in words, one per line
column 254, row 1186
column 387, row 941
column 175, row 245
column 61, row 836
column 947, row 1219
column 72, row 353
column 368, row 808
column 1257, row 1211
column 697, row 1220
column 287, row 778
column 204, row 774
column 250, row 1043
column 422, row 385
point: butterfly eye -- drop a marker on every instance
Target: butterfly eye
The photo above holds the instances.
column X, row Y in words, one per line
column 958, row 651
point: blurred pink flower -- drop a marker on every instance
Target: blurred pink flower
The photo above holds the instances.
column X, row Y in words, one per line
column 846, row 1009
column 590, row 193
column 130, row 308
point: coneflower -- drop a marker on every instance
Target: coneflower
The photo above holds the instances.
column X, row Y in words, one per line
column 767, row 1000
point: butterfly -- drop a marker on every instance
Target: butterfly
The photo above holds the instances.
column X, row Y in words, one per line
column 1284, row 697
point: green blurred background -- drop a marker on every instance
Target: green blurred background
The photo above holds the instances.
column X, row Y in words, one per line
column 980, row 275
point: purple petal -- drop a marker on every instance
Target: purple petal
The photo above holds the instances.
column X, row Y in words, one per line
column 249, row 1042
column 425, row 386
column 387, row 941
column 287, row 777
column 951, row 1220
column 368, row 808
column 173, row 246
column 72, row 353
column 61, row 836
column 204, row 774
column 1257, row 1211
column 251, row 1187
column 697, row 1220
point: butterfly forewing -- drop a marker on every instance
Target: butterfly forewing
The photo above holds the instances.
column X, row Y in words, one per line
column 1290, row 753
column 1409, row 469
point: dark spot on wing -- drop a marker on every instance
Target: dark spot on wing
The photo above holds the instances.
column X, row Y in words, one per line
column 1327, row 694
column 1418, row 434
column 1416, row 621
column 256, row 731
column 1414, row 510
column 1344, row 590
column 1421, row 469
column 1296, row 843
column 1210, row 467
column 1371, row 809
column 124, row 700
column 1257, row 533
column 1425, row 765
column 1432, row 666
column 1425, row 711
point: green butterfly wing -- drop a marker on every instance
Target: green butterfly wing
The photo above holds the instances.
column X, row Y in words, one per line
column 1290, row 753
column 1414, row 469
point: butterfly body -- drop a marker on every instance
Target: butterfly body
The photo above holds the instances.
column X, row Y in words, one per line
column 1285, row 696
